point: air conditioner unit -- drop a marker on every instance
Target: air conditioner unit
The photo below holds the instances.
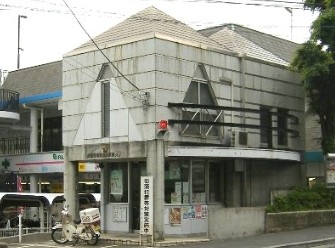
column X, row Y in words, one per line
column 239, row 138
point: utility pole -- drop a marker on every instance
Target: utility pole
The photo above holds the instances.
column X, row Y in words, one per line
column 18, row 39
column 289, row 10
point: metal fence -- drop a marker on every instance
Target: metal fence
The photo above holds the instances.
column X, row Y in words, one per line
column 9, row 100
column 17, row 145
column 11, row 232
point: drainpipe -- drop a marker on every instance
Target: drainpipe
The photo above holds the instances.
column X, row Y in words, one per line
column 242, row 80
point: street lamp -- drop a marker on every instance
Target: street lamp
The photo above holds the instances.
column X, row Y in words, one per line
column 18, row 40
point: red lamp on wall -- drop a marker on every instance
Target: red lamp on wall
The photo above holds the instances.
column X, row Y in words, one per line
column 163, row 124
column 162, row 127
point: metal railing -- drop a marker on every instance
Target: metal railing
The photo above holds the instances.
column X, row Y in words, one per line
column 17, row 145
column 9, row 100
column 11, row 232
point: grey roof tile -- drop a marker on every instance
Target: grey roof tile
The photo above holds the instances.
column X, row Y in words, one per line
column 35, row 80
column 148, row 21
column 281, row 48
column 241, row 45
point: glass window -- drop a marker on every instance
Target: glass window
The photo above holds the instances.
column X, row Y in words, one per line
column 282, row 127
column 205, row 95
column 192, row 93
column 106, row 109
column 189, row 181
column 266, row 124
column 215, row 175
column 177, row 182
column 119, row 183
column 191, row 129
column 52, row 134
column 198, row 181
column 199, row 93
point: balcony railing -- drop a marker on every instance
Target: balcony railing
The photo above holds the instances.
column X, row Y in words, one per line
column 9, row 101
column 18, row 145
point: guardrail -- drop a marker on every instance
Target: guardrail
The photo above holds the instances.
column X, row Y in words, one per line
column 11, row 232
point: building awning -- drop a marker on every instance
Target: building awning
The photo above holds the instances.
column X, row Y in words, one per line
column 38, row 199
column 227, row 152
column 24, row 200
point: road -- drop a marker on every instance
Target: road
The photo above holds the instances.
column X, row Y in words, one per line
column 51, row 244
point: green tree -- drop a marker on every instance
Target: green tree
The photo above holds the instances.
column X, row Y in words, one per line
column 315, row 61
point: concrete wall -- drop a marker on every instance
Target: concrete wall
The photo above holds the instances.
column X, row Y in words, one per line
column 165, row 70
column 277, row 222
column 264, row 176
column 227, row 223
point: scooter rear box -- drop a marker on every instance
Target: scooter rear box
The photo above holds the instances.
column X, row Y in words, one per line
column 89, row 215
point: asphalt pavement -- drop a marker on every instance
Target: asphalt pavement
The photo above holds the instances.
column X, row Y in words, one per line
column 320, row 237
column 323, row 237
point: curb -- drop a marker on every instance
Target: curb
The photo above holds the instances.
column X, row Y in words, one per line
column 156, row 244
column 304, row 244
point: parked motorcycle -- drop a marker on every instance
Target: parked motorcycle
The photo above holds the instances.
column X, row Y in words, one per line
column 86, row 229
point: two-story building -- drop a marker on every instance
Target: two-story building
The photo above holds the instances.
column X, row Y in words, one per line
column 31, row 133
column 181, row 122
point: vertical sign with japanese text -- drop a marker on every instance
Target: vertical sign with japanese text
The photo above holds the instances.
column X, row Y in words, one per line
column 146, row 215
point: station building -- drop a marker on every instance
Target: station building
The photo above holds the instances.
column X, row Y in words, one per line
column 211, row 118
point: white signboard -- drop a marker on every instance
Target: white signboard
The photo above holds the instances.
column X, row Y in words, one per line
column 146, row 215
column 46, row 162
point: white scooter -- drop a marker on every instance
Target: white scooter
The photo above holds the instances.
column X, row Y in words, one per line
column 86, row 229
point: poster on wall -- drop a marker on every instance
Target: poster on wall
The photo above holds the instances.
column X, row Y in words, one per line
column 174, row 171
column 117, row 184
column 119, row 214
column 146, row 211
column 331, row 174
column 198, row 212
column 175, row 216
column 204, row 211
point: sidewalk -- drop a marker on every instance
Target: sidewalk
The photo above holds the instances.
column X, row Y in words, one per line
column 309, row 237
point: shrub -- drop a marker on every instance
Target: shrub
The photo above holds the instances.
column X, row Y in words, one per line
column 301, row 199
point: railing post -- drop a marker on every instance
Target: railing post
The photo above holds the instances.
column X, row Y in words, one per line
column 20, row 227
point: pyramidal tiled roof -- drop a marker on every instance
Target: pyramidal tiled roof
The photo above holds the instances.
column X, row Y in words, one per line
column 148, row 21
column 241, row 45
column 256, row 44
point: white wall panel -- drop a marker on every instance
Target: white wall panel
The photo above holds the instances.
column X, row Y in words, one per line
column 71, row 92
column 71, row 107
column 90, row 127
column 119, row 123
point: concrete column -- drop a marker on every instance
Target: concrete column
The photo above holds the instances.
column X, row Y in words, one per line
column 155, row 168
column 104, row 175
column 34, row 129
column 33, row 211
column 71, row 185
column 33, row 179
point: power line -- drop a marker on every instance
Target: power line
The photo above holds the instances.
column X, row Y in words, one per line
column 127, row 94
column 258, row 3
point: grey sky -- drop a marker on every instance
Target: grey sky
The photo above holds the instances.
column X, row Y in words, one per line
column 49, row 31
